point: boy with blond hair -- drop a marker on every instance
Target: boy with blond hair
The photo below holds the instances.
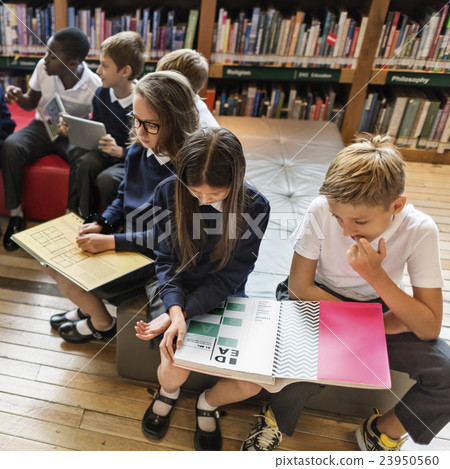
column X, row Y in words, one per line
column 195, row 68
column 99, row 172
column 368, row 234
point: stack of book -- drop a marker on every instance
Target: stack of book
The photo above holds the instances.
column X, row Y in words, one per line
column 419, row 45
column 416, row 118
column 159, row 31
column 276, row 101
column 25, row 30
column 331, row 40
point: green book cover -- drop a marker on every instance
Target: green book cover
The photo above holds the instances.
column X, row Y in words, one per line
column 429, row 120
column 191, row 29
column 409, row 117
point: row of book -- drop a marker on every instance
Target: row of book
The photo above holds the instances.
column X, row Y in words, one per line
column 419, row 45
column 277, row 102
column 159, row 31
column 332, row 40
column 416, row 118
column 25, row 30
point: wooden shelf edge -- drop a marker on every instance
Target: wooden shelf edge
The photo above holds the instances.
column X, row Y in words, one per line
column 424, row 156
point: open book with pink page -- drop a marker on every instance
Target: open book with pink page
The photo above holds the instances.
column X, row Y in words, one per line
column 275, row 343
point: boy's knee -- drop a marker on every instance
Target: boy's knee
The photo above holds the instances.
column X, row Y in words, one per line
column 248, row 389
column 9, row 148
column 104, row 181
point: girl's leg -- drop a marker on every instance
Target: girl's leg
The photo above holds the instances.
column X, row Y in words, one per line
column 155, row 422
column 227, row 391
column 88, row 303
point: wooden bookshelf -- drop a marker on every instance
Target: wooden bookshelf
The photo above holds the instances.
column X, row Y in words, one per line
column 358, row 78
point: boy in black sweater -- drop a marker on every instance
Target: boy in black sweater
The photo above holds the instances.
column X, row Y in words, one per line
column 99, row 172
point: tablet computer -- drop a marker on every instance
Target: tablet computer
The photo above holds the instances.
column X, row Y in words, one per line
column 84, row 133
column 50, row 115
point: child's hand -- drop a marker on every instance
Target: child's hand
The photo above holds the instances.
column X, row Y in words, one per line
column 108, row 145
column 62, row 128
column 364, row 259
column 176, row 329
column 147, row 331
column 94, row 242
column 89, row 228
column 13, row 94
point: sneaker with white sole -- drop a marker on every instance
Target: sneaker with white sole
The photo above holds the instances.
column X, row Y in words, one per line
column 370, row 439
column 265, row 435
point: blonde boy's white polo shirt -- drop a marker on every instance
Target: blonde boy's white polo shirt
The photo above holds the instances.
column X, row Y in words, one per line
column 77, row 100
column 412, row 239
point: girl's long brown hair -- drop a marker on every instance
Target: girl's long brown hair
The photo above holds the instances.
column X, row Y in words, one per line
column 170, row 95
column 214, row 157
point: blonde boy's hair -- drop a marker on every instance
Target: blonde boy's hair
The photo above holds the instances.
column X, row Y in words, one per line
column 126, row 48
column 189, row 63
column 369, row 172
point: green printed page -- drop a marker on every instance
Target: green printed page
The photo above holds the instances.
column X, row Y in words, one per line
column 239, row 338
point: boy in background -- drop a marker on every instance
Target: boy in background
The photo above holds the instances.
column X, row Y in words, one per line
column 368, row 235
column 194, row 67
column 61, row 71
column 121, row 62
column 7, row 125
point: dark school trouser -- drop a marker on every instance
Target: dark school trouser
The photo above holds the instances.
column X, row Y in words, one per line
column 96, row 171
column 27, row 145
column 424, row 410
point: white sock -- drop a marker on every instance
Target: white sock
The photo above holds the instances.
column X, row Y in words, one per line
column 207, row 424
column 73, row 315
column 83, row 328
column 161, row 408
column 16, row 212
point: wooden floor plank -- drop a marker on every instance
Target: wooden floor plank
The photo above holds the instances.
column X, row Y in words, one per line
column 9, row 443
column 92, row 408
column 58, row 359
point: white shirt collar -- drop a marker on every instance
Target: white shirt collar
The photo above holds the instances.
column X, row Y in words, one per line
column 160, row 159
column 124, row 102
column 217, row 205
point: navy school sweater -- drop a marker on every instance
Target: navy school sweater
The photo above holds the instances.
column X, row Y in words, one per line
column 113, row 116
column 205, row 288
column 142, row 175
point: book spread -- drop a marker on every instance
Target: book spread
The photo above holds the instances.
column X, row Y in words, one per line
column 53, row 243
column 276, row 343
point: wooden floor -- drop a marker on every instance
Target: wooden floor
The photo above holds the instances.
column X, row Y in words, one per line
column 58, row 396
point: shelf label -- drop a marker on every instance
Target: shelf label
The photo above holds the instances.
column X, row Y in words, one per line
column 281, row 73
column 417, row 79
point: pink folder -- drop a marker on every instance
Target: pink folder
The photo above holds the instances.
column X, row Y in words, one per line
column 352, row 344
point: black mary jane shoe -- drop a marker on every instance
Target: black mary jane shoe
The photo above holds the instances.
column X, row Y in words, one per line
column 207, row 441
column 58, row 319
column 155, row 426
column 68, row 331
column 15, row 225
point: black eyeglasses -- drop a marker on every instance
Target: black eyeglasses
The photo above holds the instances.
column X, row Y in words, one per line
column 149, row 127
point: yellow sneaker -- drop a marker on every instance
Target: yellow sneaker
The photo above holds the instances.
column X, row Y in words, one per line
column 370, row 439
column 265, row 435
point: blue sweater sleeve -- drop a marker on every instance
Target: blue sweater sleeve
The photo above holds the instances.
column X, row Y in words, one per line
column 114, row 213
column 169, row 282
column 7, row 125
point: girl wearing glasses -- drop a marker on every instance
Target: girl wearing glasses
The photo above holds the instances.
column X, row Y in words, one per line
column 195, row 272
column 163, row 114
